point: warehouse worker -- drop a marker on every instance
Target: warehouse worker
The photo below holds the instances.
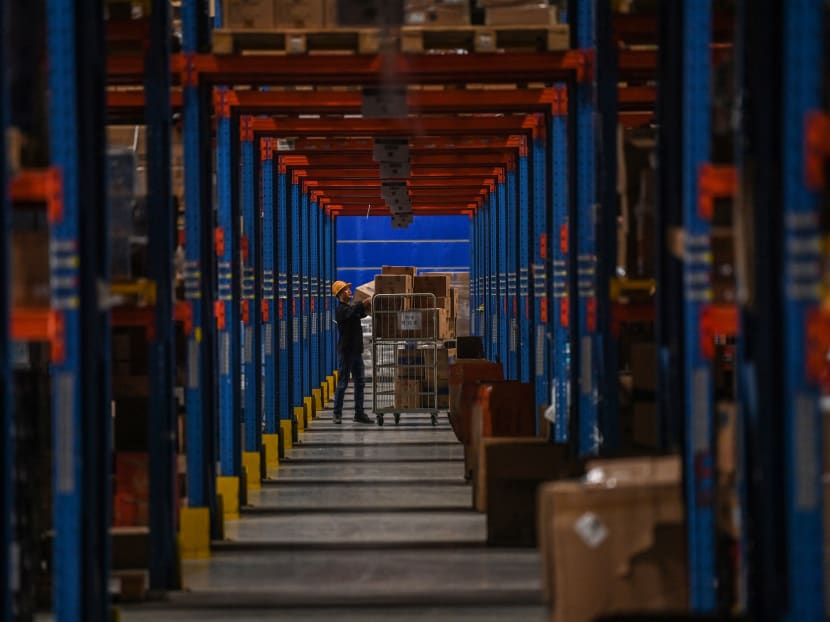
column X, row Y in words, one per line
column 350, row 349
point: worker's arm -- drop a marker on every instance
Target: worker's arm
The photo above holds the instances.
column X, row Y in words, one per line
column 348, row 312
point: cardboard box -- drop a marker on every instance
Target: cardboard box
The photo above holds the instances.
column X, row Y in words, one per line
column 644, row 431
column 614, row 548
column 644, row 367
column 399, row 270
column 364, row 292
column 524, row 15
column 330, row 13
column 410, row 364
column 299, row 13
column 407, row 394
column 30, row 268
column 437, row 13
column 249, row 14
column 727, row 439
column 512, row 469
column 393, row 284
column 503, row 409
column 132, row 489
column 437, row 284
column 464, row 377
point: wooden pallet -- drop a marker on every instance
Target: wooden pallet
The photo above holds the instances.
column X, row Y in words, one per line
column 409, row 40
column 328, row 41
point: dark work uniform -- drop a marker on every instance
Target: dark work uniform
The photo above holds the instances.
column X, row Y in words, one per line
column 350, row 351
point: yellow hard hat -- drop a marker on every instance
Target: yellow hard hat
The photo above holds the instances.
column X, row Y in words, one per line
column 339, row 286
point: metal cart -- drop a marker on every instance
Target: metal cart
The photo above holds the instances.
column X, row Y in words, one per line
column 405, row 343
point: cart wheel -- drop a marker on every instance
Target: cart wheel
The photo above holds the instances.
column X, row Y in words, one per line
column 397, row 418
column 380, row 420
column 434, row 419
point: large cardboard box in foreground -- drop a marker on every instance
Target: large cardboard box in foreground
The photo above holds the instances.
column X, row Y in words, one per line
column 512, row 469
column 614, row 548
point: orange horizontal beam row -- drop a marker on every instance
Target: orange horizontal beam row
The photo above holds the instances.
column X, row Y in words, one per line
column 267, row 69
column 306, row 102
column 323, row 160
column 423, row 126
column 430, row 144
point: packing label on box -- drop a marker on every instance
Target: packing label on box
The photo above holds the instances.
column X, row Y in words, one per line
column 591, row 529
column 410, row 320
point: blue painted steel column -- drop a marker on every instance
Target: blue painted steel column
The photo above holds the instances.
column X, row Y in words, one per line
column 249, row 326
column 314, row 243
column 198, row 403
column 302, row 237
column 475, row 272
column 284, row 385
column 6, row 417
column 331, row 241
column 698, row 405
column 527, row 204
column 162, row 408
column 500, row 273
column 295, row 308
column 492, row 284
column 589, row 432
column 537, row 337
column 561, row 308
column 79, row 262
column 268, row 308
column 801, row 286
column 510, row 252
column 227, row 310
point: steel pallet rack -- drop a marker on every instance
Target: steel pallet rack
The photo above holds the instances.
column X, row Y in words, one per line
column 513, row 190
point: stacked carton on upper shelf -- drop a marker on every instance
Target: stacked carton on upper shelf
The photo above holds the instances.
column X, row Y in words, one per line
column 518, row 13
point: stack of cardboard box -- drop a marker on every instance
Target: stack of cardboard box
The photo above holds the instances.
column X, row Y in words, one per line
column 279, row 14
column 413, row 316
column 518, row 12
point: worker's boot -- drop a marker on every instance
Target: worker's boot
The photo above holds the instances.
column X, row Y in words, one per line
column 362, row 418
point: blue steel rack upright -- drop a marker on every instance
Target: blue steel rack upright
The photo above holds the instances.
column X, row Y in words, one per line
column 162, row 407
column 509, row 258
column 800, row 274
column 303, row 237
column 79, row 263
column 314, row 242
column 699, row 402
column 520, row 329
column 226, row 243
column 284, row 387
column 590, row 438
column 198, row 270
column 268, row 310
column 295, row 302
column 535, row 337
column 249, row 335
column 561, row 299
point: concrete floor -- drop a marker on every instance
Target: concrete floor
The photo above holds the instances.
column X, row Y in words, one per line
column 359, row 523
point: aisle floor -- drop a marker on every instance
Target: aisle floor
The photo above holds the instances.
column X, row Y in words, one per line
column 359, row 523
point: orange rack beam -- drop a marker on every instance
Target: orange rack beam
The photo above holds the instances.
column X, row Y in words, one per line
column 39, row 186
column 40, row 324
